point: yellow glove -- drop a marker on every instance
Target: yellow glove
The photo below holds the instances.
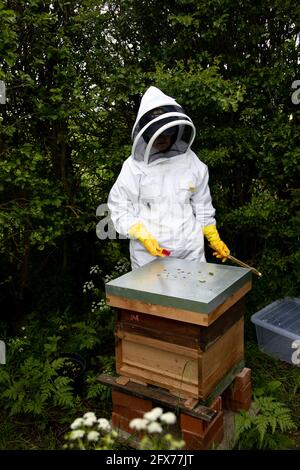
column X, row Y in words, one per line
column 212, row 235
column 140, row 232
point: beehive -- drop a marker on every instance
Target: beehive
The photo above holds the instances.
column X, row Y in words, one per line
column 180, row 324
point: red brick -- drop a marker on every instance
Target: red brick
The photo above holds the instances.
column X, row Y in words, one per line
column 214, row 434
column 239, row 384
column 122, row 423
column 240, row 390
column 242, row 380
column 218, row 437
column 243, row 394
column 131, row 402
column 119, row 422
column 242, row 397
column 216, row 404
column 198, row 426
column 127, row 413
column 192, row 424
column 194, row 442
column 243, row 377
column 237, row 395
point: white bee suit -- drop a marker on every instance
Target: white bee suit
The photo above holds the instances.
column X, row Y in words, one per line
column 167, row 191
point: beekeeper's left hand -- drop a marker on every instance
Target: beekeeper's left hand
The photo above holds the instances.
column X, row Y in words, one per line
column 221, row 250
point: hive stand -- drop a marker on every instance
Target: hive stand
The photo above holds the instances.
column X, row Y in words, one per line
column 180, row 340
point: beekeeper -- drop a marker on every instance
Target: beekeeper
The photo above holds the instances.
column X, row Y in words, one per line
column 161, row 199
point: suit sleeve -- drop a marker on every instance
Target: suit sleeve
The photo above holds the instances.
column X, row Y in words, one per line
column 123, row 201
column 201, row 199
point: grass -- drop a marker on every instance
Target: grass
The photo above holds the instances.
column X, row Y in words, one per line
column 21, row 433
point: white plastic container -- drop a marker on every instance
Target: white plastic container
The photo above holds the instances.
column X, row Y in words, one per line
column 278, row 329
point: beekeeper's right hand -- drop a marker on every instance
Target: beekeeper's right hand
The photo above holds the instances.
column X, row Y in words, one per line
column 140, row 232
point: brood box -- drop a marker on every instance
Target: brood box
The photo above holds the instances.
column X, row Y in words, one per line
column 180, row 324
column 278, row 329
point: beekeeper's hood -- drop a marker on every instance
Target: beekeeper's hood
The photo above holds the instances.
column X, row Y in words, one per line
column 162, row 129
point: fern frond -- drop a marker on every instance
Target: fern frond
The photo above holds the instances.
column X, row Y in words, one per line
column 264, row 430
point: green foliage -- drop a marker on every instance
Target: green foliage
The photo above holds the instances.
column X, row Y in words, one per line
column 75, row 73
column 199, row 87
column 267, row 429
column 29, row 384
column 28, row 433
column 96, row 389
column 275, row 378
column 165, row 442
column 32, row 379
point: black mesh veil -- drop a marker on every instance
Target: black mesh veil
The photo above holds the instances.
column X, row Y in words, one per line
column 162, row 121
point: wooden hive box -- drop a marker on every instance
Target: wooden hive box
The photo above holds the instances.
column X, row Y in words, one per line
column 180, row 325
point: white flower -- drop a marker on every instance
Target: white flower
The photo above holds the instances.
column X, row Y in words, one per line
column 90, row 415
column 89, row 421
column 138, row 424
column 89, row 285
column 103, row 424
column 89, row 418
column 154, row 427
column 77, row 434
column 95, row 269
column 168, row 418
column 77, row 423
column 93, row 436
column 154, row 414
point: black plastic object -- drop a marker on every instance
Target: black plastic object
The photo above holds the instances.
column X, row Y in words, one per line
column 74, row 367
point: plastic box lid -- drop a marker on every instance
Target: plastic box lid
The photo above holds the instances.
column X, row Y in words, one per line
column 282, row 316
